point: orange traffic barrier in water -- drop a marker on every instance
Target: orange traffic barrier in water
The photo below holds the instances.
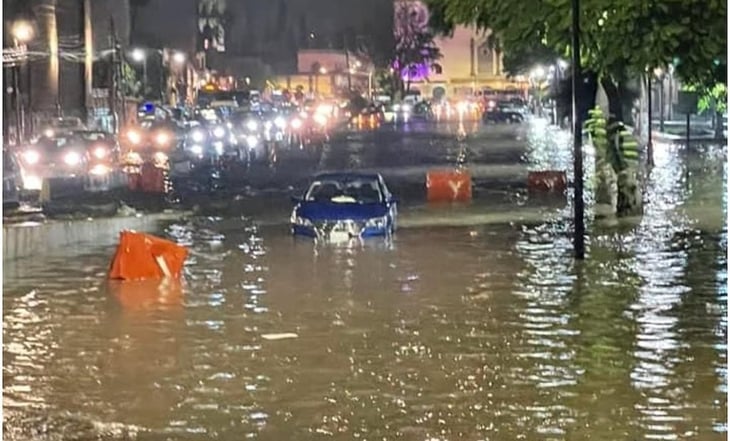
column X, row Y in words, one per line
column 145, row 295
column 550, row 181
column 142, row 256
column 448, row 186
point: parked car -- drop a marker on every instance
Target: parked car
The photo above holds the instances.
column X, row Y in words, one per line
column 343, row 206
column 502, row 112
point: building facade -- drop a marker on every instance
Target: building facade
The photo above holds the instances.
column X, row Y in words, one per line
column 468, row 64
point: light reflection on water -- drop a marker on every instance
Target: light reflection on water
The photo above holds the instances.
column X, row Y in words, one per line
column 480, row 332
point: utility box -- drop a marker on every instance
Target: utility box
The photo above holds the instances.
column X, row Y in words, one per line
column 687, row 103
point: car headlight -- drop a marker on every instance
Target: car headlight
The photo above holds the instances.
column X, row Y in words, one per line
column 252, row 141
column 252, row 125
column 396, row 107
column 406, row 108
column 280, row 122
column 320, row 119
column 100, row 152
column 48, row 133
column 197, row 149
column 296, row 123
column 162, row 138
column 72, row 158
column 378, row 222
column 197, row 136
column 134, row 137
column 99, row 170
column 219, row 132
column 31, row 157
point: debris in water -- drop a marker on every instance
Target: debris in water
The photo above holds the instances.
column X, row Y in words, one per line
column 281, row 336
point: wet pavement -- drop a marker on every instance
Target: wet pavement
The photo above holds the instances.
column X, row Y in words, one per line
column 473, row 323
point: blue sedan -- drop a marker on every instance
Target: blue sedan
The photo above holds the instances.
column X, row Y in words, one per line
column 341, row 206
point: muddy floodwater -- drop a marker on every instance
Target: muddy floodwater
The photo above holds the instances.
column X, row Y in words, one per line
column 483, row 330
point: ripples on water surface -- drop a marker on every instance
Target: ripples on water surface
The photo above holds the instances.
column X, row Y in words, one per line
column 471, row 333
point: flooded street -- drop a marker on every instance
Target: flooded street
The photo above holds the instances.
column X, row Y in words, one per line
column 473, row 323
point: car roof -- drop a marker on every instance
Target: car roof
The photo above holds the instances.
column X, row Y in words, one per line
column 344, row 176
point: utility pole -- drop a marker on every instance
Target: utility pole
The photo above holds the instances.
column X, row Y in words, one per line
column 88, row 59
column 579, row 209
column 113, row 78
column 650, row 141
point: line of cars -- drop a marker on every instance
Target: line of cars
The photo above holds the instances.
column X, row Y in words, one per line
column 65, row 149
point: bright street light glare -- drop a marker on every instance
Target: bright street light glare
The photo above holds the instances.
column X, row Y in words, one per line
column 323, row 71
column 178, row 57
column 138, row 55
column 538, row 72
column 22, row 31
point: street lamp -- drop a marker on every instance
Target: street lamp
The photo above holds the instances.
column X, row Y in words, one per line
column 139, row 56
column 178, row 58
column 578, row 208
column 323, row 71
column 22, row 32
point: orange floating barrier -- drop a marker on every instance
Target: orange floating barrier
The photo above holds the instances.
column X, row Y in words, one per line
column 448, row 186
column 549, row 181
column 145, row 295
column 142, row 256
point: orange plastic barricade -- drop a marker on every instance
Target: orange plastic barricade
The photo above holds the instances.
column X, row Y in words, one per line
column 550, row 181
column 144, row 295
column 142, row 256
column 448, row 186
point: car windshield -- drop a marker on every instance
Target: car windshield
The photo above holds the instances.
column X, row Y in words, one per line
column 353, row 191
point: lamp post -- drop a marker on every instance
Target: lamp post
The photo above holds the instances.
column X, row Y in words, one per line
column 650, row 141
column 22, row 32
column 139, row 56
column 578, row 208
column 659, row 72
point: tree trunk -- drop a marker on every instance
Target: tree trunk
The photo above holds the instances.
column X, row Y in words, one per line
column 615, row 108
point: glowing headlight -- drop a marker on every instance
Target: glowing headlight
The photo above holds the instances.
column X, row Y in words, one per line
column 378, row 222
column 197, row 136
column 462, row 107
column 162, row 138
column 280, row 122
column 252, row 141
column 219, row 132
column 72, row 158
column 160, row 157
column 134, row 137
column 31, row 157
column 48, row 133
column 320, row 119
column 396, row 107
column 99, row 170
column 100, row 152
column 197, row 149
column 406, row 108
column 296, row 123
column 252, row 125
column 324, row 109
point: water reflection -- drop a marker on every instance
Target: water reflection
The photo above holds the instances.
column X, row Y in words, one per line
column 479, row 332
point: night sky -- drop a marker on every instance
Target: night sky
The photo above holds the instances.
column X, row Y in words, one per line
column 273, row 29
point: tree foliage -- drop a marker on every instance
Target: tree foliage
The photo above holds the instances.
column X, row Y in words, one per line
column 618, row 37
column 415, row 48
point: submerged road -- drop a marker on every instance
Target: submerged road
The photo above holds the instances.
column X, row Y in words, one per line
column 486, row 330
